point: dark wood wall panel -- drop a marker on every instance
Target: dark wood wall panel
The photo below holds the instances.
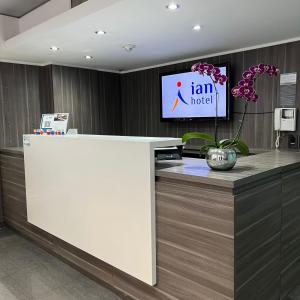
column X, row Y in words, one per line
column 13, row 187
column 195, row 232
column 110, row 103
column 75, row 92
column 292, row 64
column 290, row 262
column 258, row 241
column 46, row 89
column 141, row 98
column 19, row 102
column 91, row 97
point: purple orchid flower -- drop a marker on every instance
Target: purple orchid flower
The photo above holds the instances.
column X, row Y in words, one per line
column 245, row 86
column 248, row 75
column 209, row 67
column 260, row 68
column 236, row 92
column 210, row 70
column 195, row 67
column 246, row 82
column 253, row 97
column 216, row 71
column 246, row 91
column 222, row 79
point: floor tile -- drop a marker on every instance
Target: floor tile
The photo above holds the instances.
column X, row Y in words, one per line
column 27, row 272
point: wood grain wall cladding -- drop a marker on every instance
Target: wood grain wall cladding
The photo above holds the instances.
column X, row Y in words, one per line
column 76, row 91
column 13, row 193
column 19, row 102
column 46, row 90
column 258, row 240
column 1, row 209
column 141, row 98
column 109, row 85
column 290, row 271
column 92, row 98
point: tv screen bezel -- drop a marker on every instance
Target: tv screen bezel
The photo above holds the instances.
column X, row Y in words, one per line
column 228, row 98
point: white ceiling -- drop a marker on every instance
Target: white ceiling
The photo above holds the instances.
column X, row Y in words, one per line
column 160, row 35
column 18, row 8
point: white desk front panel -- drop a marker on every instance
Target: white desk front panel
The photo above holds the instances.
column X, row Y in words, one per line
column 97, row 194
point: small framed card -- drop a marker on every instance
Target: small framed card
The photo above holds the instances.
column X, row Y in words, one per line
column 57, row 121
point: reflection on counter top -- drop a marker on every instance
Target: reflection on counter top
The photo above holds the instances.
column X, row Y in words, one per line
column 247, row 169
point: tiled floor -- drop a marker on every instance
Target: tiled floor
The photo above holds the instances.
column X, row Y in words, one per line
column 29, row 273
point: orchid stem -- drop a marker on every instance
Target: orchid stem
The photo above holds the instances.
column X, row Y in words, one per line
column 238, row 134
column 216, row 118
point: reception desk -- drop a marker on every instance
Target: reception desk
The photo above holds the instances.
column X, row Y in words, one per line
column 219, row 235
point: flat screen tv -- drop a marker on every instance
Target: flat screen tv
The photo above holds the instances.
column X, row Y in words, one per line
column 188, row 95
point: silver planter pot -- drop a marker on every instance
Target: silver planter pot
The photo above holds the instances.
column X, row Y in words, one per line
column 221, row 159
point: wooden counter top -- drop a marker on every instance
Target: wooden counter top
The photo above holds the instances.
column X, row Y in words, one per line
column 248, row 169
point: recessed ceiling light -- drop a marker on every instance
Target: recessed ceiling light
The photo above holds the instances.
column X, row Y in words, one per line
column 197, row 27
column 172, row 6
column 129, row 47
column 100, row 32
column 88, row 57
column 54, row 48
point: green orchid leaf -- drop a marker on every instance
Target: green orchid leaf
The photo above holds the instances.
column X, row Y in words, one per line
column 225, row 142
column 197, row 135
column 242, row 147
column 205, row 148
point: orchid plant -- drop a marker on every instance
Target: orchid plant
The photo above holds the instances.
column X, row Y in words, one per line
column 244, row 90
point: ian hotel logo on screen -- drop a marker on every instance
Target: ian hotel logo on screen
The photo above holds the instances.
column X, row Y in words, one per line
column 197, row 97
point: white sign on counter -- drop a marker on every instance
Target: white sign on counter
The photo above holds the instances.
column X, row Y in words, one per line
column 57, row 121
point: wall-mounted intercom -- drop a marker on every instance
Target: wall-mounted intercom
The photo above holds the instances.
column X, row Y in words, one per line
column 285, row 119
